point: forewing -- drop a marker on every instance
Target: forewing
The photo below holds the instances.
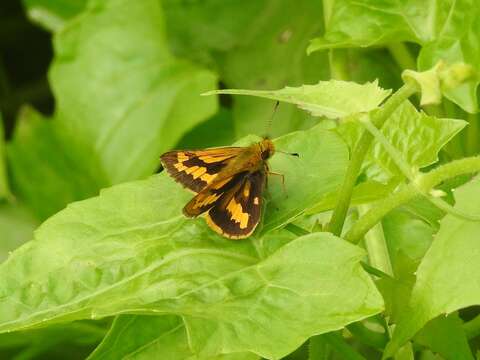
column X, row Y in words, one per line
column 209, row 196
column 195, row 169
column 237, row 212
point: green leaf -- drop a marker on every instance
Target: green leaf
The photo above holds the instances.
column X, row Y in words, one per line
column 445, row 336
column 201, row 30
column 16, row 227
column 408, row 238
column 72, row 341
column 152, row 337
column 447, row 276
column 119, row 90
column 53, row 14
column 407, row 235
column 417, row 136
column 4, row 188
column 322, row 155
column 131, row 250
column 253, row 45
column 446, row 29
column 333, row 99
column 49, row 167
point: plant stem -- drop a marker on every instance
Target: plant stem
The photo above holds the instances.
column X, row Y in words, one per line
column 473, row 134
column 472, row 327
column 374, row 271
column 338, row 60
column 376, row 246
column 359, row 153
column 376, row 213
column 296, row 230
column 402, row 55
column 423, row 184
column 468, row 165
column 338, row 343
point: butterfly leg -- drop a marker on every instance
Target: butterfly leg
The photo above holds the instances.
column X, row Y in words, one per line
column 283, row 180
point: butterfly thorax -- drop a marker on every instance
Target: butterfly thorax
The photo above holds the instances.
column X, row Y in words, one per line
column 251, row 159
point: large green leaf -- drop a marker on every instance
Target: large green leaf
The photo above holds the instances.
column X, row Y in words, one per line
column 201, row 30
column 53, row 14
column 253, row 45
column 4, row 189
column 417, row 136
column 131, row 250
column 16, row 228
column 447, row 277
column 333, row 99
column 447, row 30
column 153, row 337
column 50, row 167
column 120, row 90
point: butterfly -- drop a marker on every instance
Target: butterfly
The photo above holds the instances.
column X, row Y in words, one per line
column 228, row 182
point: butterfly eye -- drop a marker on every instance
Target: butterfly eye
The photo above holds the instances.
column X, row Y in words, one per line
column 265, row 154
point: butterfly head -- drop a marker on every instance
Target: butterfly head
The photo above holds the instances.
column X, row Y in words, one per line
column 267, row 149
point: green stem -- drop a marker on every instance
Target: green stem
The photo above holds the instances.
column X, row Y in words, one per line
column 472, row 328
column 468, row 165
column 338, row 61
column 473, row 134
column 359, row 153
column 423, row 184
column 338, row 343
column 296, row 230
column 376, row 213
column 376, row 246
column 402, row 55
column 374, row 271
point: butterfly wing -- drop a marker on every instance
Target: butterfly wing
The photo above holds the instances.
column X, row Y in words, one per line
column 207, row 198
column 236, row 214
column 195, row 169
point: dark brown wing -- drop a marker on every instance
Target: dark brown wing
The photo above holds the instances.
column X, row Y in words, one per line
column 236, row 213
column 207, row 198
column 195, row 169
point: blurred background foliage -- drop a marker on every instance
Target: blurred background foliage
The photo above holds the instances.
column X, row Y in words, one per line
column 92, row 92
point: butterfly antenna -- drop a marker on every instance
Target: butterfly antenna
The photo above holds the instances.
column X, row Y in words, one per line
column 269, row 122
column 288, row 153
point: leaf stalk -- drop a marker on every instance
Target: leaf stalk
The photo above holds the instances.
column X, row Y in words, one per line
column 359, row 153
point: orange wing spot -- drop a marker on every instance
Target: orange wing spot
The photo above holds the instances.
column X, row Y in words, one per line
column 208, row 177
column 180, row 167
column 191, row 169
column 244, row 221
column 256, row 200
column 213, row 159
column 182, row 157
column 246, row 190
column 237, row 213
column 199, row 172
column 206, row 201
